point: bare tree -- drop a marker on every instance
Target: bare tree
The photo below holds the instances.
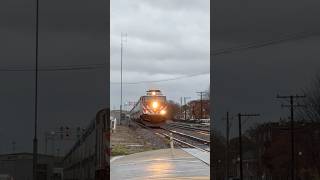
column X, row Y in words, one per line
column 173, row 109
column 311, row 110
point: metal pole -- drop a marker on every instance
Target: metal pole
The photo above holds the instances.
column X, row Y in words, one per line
column 46, row 143
column 121, row 84
column 292, row 139
column 185, row 109
column 201, row 116
column 171, row 142
column 181, row 111
column 35, row 140
column 240, row 147
column 227, row 152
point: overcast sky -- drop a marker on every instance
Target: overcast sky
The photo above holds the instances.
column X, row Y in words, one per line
column 71, row 33
column 248, row 81
column 166, row 39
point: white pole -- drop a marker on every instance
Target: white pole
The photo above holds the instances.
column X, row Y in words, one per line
column 171, row 144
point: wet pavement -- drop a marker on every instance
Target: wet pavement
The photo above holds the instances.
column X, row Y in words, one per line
column 161, row 164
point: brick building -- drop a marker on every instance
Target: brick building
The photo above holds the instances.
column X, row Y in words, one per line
column 194, row 109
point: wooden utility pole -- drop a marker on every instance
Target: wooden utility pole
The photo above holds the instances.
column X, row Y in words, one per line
column 227, row 151
column 240, row 140
column 292, row 105
column 201, row 106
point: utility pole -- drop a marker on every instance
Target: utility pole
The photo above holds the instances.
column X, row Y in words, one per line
column 227, row 152
column 35, row 139
column 45, row 143
column 292, row 105
column 201, row 111
column 181, row 111
column 240, row 140
column 185, row 107
column 121, row 78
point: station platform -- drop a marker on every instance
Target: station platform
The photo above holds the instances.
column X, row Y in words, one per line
column 164, row 164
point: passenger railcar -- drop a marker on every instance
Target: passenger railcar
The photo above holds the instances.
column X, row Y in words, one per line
column 88, row 158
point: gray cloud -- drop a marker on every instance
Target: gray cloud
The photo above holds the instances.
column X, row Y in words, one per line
column 166, row 39
column 248, row 81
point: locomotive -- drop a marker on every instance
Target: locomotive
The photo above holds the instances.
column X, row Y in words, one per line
column 151, row 108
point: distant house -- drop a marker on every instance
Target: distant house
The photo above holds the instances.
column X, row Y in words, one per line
column 194, row 109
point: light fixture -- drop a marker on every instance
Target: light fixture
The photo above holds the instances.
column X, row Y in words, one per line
column 155, row 104
column 163, row 112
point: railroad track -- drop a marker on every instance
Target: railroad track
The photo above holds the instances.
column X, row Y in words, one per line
column 184, row 140
column 187, row 127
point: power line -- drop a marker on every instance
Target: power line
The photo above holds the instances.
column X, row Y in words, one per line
column 55, row 68
column 260, row 44
column 162, row 80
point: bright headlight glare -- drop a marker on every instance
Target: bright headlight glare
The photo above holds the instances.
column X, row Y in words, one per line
column 155, row 104
column 162, row 112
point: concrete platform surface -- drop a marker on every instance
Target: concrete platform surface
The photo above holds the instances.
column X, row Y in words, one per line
column 159, row 164
column 202, row 155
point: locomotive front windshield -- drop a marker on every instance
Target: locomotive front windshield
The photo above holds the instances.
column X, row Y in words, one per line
column 160, row 99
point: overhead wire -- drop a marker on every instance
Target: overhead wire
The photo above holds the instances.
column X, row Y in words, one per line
column 259, row 44
column 163, row 80
column 217, row 52
column 55, row 68
column 253, row 45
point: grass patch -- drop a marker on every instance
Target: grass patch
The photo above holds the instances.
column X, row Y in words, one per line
column 119, row 150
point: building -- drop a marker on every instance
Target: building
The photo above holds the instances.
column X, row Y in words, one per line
column 19, row 166
column 194, row 109
column 274, row 149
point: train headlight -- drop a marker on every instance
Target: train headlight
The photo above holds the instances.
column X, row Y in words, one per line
column 163, row 112
column 155, row 104
column 153, row 93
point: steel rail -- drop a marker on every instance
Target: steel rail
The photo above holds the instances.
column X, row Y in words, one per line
column 188, row 127
column 189, row 136
column 175, row 139
column 183, row 142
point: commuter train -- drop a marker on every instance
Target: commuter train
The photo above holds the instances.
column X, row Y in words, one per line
column 151, row 108
column 88, row 157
